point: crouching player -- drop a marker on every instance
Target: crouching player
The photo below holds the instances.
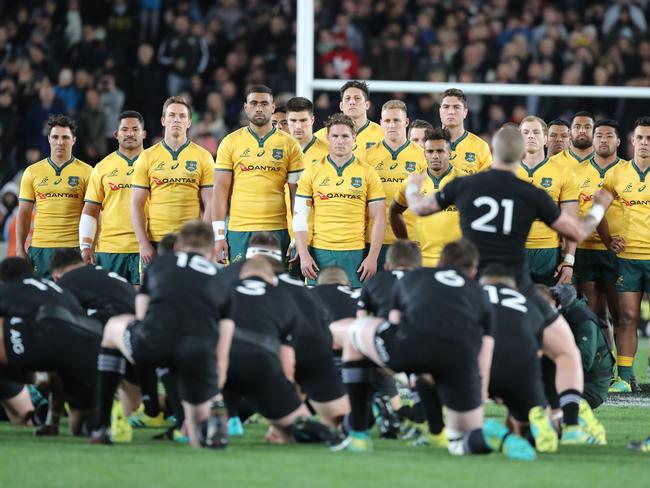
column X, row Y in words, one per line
column 182, row 322
column 453, row 344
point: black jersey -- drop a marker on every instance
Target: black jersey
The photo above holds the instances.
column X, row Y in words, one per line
column 518, row 325
column 185, row 295
column 337, row 301
column 22, row 298
column 496, row 212
column 229, row 275
column 310, row 321
column 377, row 292
column 443, row 303
column 102, row 293
column 266, row 310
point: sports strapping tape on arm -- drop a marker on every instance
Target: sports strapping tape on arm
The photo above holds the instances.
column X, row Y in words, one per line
column 597, row 212
column 301, row 211
column 219, row 229
column 294, row 177
column 87, row 231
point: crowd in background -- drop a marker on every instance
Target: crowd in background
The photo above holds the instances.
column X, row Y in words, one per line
column 92, row 59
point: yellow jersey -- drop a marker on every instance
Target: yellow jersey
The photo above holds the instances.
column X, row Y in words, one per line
column 393, row 167
column 569, row 159
column 312, row 153
column 57, row 194
column 110, row 187
column 591, row 178
column 434, row 231
column 470, row 154
column 561, row 185
column 339, row 199
column 368, row 135
column 628, row 185
column 174, row 180
column 260, row 169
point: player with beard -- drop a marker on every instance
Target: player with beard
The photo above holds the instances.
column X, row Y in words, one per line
column 559, row 136
column 581, row 147
column 253, row 165
column 543, row 244
column 497, row 210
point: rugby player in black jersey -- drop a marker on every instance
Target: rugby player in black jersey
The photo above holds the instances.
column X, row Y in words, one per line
column 496, row 212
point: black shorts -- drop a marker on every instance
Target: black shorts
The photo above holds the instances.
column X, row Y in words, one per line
column 516, row 378
column 453, row 363
column 192, row 358
column 316, row 372
column 257, row 374
column 58, row 346
column 9, row 388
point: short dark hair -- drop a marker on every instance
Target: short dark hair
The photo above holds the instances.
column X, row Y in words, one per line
column 404, row 254
column 258, row 89
column 14, row 268
column 456, row 92
column 559, row 122
column 437, row 134
column 498, row 270
column 340, row 119
column 60, row 120
column 131, row 114
column 280, row 109
column 608, row 123
column 333, row 275
column 167, row 243
column 582, row 113
column 420, row 124
column 264, row 239
column 177, row 99
column 642, row 122
column 62, row 258
column 300, row 104
column 461, row 254
column 361, row 85
column 196, row 234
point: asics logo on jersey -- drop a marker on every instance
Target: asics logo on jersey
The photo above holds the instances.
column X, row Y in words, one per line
column 260, row 153
column 175, row 165
column 119, row 186
column 641, row 188
column 130, row 172
column 393, row 166
column 56, row 182
column 16, row 342
column 340, row 182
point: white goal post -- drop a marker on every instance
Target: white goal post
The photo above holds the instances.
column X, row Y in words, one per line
column 306, row 83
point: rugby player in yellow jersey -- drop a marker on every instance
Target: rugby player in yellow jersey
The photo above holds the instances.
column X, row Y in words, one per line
column 434, row 231
column 355, row 102
column 174, row 176
column 581, row 147
column 469, row 153
column 559, row 136
column 629, row 183
column 394, row 159
column 279, row 119
column 343, row 193
column 109, row 191
column 256, row 162
column 55, row 186
column 596, row 268
column 543, row 243
column 417, row 128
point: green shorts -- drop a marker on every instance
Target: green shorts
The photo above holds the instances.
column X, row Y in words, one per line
column 542, row 264
column 40, row 257
column 127, row 265
column 381, row 259
column 595, row 265
column 633, row 275
column 348, row 260
column 238, row 243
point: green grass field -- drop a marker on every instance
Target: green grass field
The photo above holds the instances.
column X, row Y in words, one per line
column 26, row 461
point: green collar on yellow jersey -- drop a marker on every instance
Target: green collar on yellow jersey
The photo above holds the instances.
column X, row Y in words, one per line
column 175, row 153
column 260, row 142
column 310, row 144
column 577, row 158
column 128, row 161
column 602, row 172
column 363, row 127
column 642, row 174
column 459, row 140
column 436, row 181
column 339, row 171
column 531, row 172
column 58, row 169
column 395, row 153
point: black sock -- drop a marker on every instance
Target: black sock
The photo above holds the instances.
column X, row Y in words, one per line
column 405, row 413
column 432, row 406
column 419, row 415
column 110, row 366
column 474, row 443
column 355, row 377
column 168, row 379
column 570, row 404
column 149, row 387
